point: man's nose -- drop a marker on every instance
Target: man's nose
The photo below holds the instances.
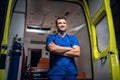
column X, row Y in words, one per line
column 62, row 25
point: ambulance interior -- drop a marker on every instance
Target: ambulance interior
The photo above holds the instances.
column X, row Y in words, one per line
column 33, row 20
column 41, row 15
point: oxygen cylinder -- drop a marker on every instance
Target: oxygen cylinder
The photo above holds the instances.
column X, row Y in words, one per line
column 17, row 47
column 15, row 58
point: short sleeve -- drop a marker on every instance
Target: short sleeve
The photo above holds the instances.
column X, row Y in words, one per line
column 75, row 41
column 49, row 39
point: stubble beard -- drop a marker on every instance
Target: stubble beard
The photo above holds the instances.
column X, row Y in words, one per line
column 62, row 31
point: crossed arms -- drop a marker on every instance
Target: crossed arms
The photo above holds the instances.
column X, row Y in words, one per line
column 66, row 51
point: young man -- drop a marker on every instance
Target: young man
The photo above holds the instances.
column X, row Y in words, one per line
column 63, row 48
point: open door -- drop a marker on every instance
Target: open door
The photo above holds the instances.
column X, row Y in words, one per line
column 6, row 7
column 103, row 42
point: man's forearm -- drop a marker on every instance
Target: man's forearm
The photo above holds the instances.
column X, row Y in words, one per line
column 66, row 51
column 58, row 49
column 74, row 52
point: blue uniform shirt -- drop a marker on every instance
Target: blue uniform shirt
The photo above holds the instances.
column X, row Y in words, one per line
column 61, row 65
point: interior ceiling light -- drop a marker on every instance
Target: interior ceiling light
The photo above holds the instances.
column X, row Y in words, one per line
column 76, row 29
column 37, row 29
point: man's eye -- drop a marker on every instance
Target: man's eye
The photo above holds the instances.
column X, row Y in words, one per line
column 60, row 23
column 64, row 23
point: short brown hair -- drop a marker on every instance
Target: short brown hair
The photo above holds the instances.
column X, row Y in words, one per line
column 61, row 17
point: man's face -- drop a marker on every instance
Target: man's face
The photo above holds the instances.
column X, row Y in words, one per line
column 61, row 25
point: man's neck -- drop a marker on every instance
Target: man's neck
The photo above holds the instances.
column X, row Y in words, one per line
column 62, row 34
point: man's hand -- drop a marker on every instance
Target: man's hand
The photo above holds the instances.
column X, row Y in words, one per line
column 74, row 52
